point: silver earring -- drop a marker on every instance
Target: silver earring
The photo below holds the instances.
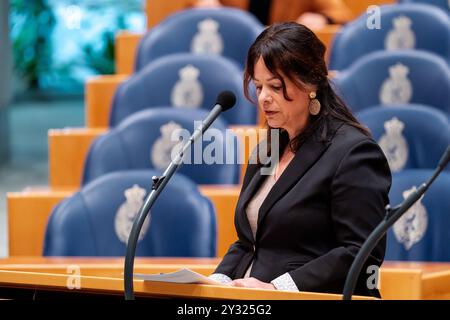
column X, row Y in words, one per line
column 314, row 104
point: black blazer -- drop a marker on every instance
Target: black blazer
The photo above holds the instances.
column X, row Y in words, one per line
column 317, row 215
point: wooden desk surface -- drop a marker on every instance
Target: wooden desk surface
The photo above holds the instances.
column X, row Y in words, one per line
column 399, row 280
column 427, row 268
column 104, row 275
column 108, row 267
column 416, row 280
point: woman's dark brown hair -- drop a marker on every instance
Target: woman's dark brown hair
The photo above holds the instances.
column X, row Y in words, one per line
column 293, row 50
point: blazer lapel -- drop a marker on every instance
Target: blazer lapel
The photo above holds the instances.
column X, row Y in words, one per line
column 247, row 194
column 303, row 160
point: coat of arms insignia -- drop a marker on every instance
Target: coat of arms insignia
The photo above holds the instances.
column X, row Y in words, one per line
column 127, row 213
column 394, row 144
column 411, row 227
column 207, row 40
column 187, row 92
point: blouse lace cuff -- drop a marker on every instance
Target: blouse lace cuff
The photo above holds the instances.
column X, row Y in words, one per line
column 220, row 278
column 285, row 282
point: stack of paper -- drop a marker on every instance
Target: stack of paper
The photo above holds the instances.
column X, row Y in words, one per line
column 180, row 276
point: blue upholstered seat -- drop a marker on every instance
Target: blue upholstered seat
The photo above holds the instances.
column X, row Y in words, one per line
column 397, row 77
column 228, row 32
column 422, row 234
column 186, row 81
column 411, row 136
column 400, row 26
column 96, row 221
column 146, row 139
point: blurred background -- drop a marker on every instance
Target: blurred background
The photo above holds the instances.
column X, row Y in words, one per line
column 72, row 71
column 48, row 49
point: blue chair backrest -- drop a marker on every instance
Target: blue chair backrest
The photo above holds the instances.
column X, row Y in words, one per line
column 442, row 4
column 422, row 233
column 411, row 136
column 186, row 81
column 144, row 140
column 228, row 32
column 96, row 221
column 399, row 77
column 402, row 26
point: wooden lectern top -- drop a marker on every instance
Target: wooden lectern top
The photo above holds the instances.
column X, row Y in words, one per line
column 105, row 277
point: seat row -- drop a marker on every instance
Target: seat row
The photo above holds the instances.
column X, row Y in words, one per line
column 187, row 80
column 372, row 71
column 97, row 220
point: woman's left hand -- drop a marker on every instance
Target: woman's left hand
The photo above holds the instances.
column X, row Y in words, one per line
column 252, row 283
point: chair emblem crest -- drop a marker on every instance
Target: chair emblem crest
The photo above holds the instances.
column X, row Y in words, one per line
column 394, row 144
column 401, row 36
column 127, row 213
column 411, row 227
column 397, row 88
column 165, row 146
column 188, row 91
column 207, row 40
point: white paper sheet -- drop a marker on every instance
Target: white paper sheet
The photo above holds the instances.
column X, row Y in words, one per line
column 180, row 276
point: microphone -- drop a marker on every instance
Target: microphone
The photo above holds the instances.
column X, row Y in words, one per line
column 392, row 215
column 225, row 100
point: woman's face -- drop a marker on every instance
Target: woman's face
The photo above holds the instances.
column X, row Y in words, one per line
column 279, row 112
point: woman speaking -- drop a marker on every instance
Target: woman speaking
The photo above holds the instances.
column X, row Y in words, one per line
column 300, row 227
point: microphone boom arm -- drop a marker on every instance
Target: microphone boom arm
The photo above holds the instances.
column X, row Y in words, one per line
column 225, row 101
column 392, row 215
